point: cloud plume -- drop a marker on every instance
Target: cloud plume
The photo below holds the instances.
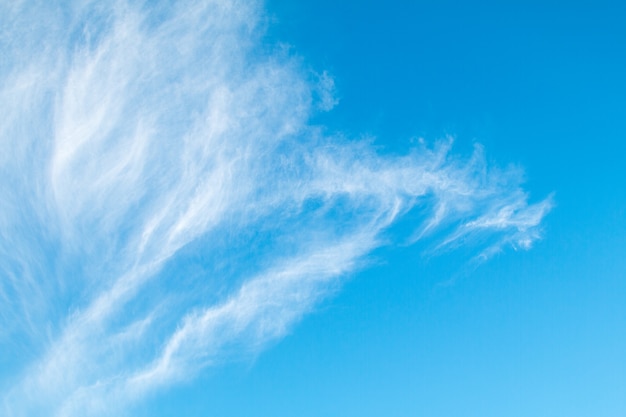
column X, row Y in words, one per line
column 166, row 204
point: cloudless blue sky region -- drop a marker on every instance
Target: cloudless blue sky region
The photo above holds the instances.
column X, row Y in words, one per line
column 313, row 208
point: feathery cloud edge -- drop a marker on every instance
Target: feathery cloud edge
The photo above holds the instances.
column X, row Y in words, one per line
column 167, row 205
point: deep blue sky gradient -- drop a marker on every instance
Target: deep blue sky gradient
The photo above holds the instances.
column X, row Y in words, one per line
column 172, row 270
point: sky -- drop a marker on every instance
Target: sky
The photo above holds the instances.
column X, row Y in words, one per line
column 312, row 208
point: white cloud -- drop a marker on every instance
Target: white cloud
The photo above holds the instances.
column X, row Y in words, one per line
column 135, row 140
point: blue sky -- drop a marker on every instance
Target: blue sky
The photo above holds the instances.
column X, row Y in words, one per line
column 240, row 208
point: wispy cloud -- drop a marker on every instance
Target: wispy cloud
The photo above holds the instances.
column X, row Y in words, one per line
column 165, row 205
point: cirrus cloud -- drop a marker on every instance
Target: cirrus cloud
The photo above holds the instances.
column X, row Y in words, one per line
column 167, row 206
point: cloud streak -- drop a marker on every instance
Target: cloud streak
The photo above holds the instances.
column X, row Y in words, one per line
column 166, row 205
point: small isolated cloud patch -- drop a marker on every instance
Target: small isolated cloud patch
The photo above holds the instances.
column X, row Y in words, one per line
column 166, row 206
